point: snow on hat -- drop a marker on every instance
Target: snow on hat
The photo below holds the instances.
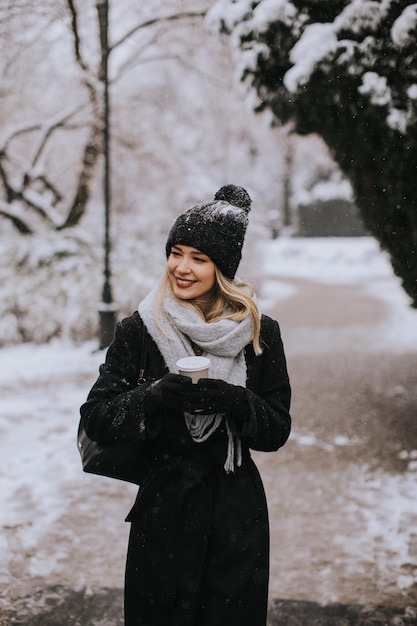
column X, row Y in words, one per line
column 215, row 228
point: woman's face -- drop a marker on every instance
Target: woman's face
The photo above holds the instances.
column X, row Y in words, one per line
column 191, row 273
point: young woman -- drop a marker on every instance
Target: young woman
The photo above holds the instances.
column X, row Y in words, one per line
column 198, row 551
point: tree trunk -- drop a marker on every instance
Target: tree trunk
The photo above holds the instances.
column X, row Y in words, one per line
column 92, row 152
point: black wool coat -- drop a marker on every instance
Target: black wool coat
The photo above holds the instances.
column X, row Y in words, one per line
column 198, row 551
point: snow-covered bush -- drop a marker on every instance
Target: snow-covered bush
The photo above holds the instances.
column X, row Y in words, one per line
column 51, row 284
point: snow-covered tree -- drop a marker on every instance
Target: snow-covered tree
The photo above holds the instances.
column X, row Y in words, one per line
column 347, row 71
column 34, row 192
column 178, row 132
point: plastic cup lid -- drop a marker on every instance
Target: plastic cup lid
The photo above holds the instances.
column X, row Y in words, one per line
column 190, row 363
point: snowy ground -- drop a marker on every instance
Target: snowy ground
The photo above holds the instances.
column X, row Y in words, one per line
column 41, row 388
column 364, row 520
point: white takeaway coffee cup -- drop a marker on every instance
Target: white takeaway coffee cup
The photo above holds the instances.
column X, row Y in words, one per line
column 194, row 366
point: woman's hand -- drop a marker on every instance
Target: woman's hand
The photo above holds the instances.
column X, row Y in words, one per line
column 212, row 395
column 168, row 391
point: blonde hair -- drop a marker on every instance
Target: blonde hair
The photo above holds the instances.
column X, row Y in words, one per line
column 231, row 300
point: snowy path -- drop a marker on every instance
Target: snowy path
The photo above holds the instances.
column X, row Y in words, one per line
column 342, row 492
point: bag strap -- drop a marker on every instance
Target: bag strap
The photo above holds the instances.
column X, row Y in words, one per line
column 142, row 379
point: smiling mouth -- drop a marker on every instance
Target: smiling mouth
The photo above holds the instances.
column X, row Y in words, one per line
column 184, row 283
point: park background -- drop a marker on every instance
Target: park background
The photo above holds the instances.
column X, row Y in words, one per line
column 181, row 124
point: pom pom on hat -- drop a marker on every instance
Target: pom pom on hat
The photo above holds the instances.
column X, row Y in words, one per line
column 216, row 228
column 238, row 196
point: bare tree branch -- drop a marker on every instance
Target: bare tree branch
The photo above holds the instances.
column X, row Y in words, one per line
column 5, row 179
column 90, row 81
column 54, row 121
column 76, row 36
column 134, row 61
column 7, row 212
column 23, row 192
column 157, row 20
column 42, row 207
column 49, row 128
column 51, row 187
column 28, row 127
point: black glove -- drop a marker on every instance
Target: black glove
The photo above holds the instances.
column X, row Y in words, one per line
column 211, row 395
column 167, row 392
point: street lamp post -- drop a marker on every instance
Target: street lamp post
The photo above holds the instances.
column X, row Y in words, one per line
column 107, row 308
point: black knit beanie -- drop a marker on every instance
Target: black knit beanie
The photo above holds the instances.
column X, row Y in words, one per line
column 216, row 228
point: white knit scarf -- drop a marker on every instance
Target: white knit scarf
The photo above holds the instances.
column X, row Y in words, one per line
column 223, row 342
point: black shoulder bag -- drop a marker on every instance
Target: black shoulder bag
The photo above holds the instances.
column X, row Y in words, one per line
column 122, row 460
